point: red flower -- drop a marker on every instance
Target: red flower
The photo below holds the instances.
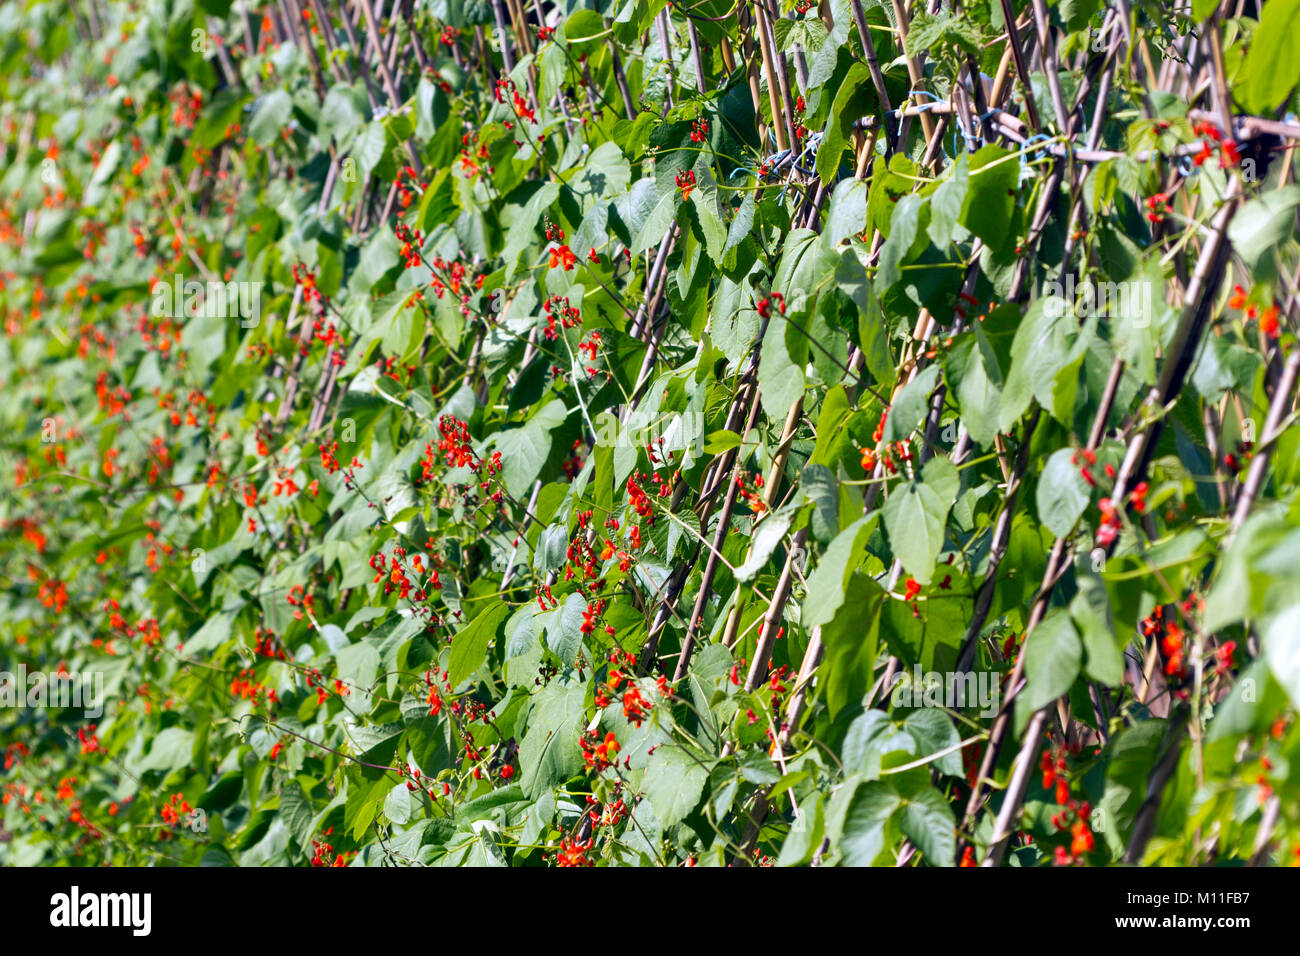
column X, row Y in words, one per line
column 635, row 706
column 573, row 853
column 1268, row 323
column 685, row 182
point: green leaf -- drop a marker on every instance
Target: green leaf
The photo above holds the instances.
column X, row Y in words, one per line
column 169, row 751
column 942, row 475
column 851, row 639
column 853, row 99
column 767, row 536
column 674, row 782
column 1053, row 656
column 781, row 369
column 564, row 628
column 872, row 804
column 870, row 737
column 272, row 115
column 1090, row 610
column 549, row 753
column 470, row 645
column 525, row 449
column 928, row 821
column 822, row 491
column 826, row 583
column 991, row 196
column 1282, row 650
column 1062, row 495
column 1263, row 224
column 911, row 405
column 933, row 732
column 914, row 517
column 972, row 370
column 720, row 441
column 847, row 215
column 656, row 224
column 1271, row 68
column 947, row 201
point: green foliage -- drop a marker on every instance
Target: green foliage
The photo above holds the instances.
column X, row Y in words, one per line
column 610, row 437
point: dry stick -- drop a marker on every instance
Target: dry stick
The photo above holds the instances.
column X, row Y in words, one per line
column 914, row 71
column 1022, row 67
column 423, row 58
column 1145, row 821
column 390, row 87
column 394, row 37
column 303, row 34
column 997, row 549
column 744, row 21
column 1264, row 835
column 775, row 610
column 338, row 64
column 661, row 24
column 783, row 135
column 621, row 79
column 1047, row 46
column 694, row 37
column 507, row 56
column 773, row 483
column 769, row 16
column 1200, row 295
column 877, row 77
column 731, row 629
column 719, row 539
column 652, row 283
column 358, row 51
column 1077, row 211
column 1200, row 292
column 1267, row 443
column 520, row 22
column 1002, row 531
column 1282, row 400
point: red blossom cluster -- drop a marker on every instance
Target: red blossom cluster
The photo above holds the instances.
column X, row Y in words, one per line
column 558, row 306
column 172, row 810
column 573, row 852
column 1268, row 320
column 522, row 109
column 306, row 279
column 323, row 853
column 474, row 155
column 407, row 183
column 1229, row 153
column 244, row 686
column 1157, row 207
column 764, row 305
column 755, row 500
column 686, row 183
column 598, row 756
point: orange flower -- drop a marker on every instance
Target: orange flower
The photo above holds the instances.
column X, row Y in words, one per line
column 1268, row 323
